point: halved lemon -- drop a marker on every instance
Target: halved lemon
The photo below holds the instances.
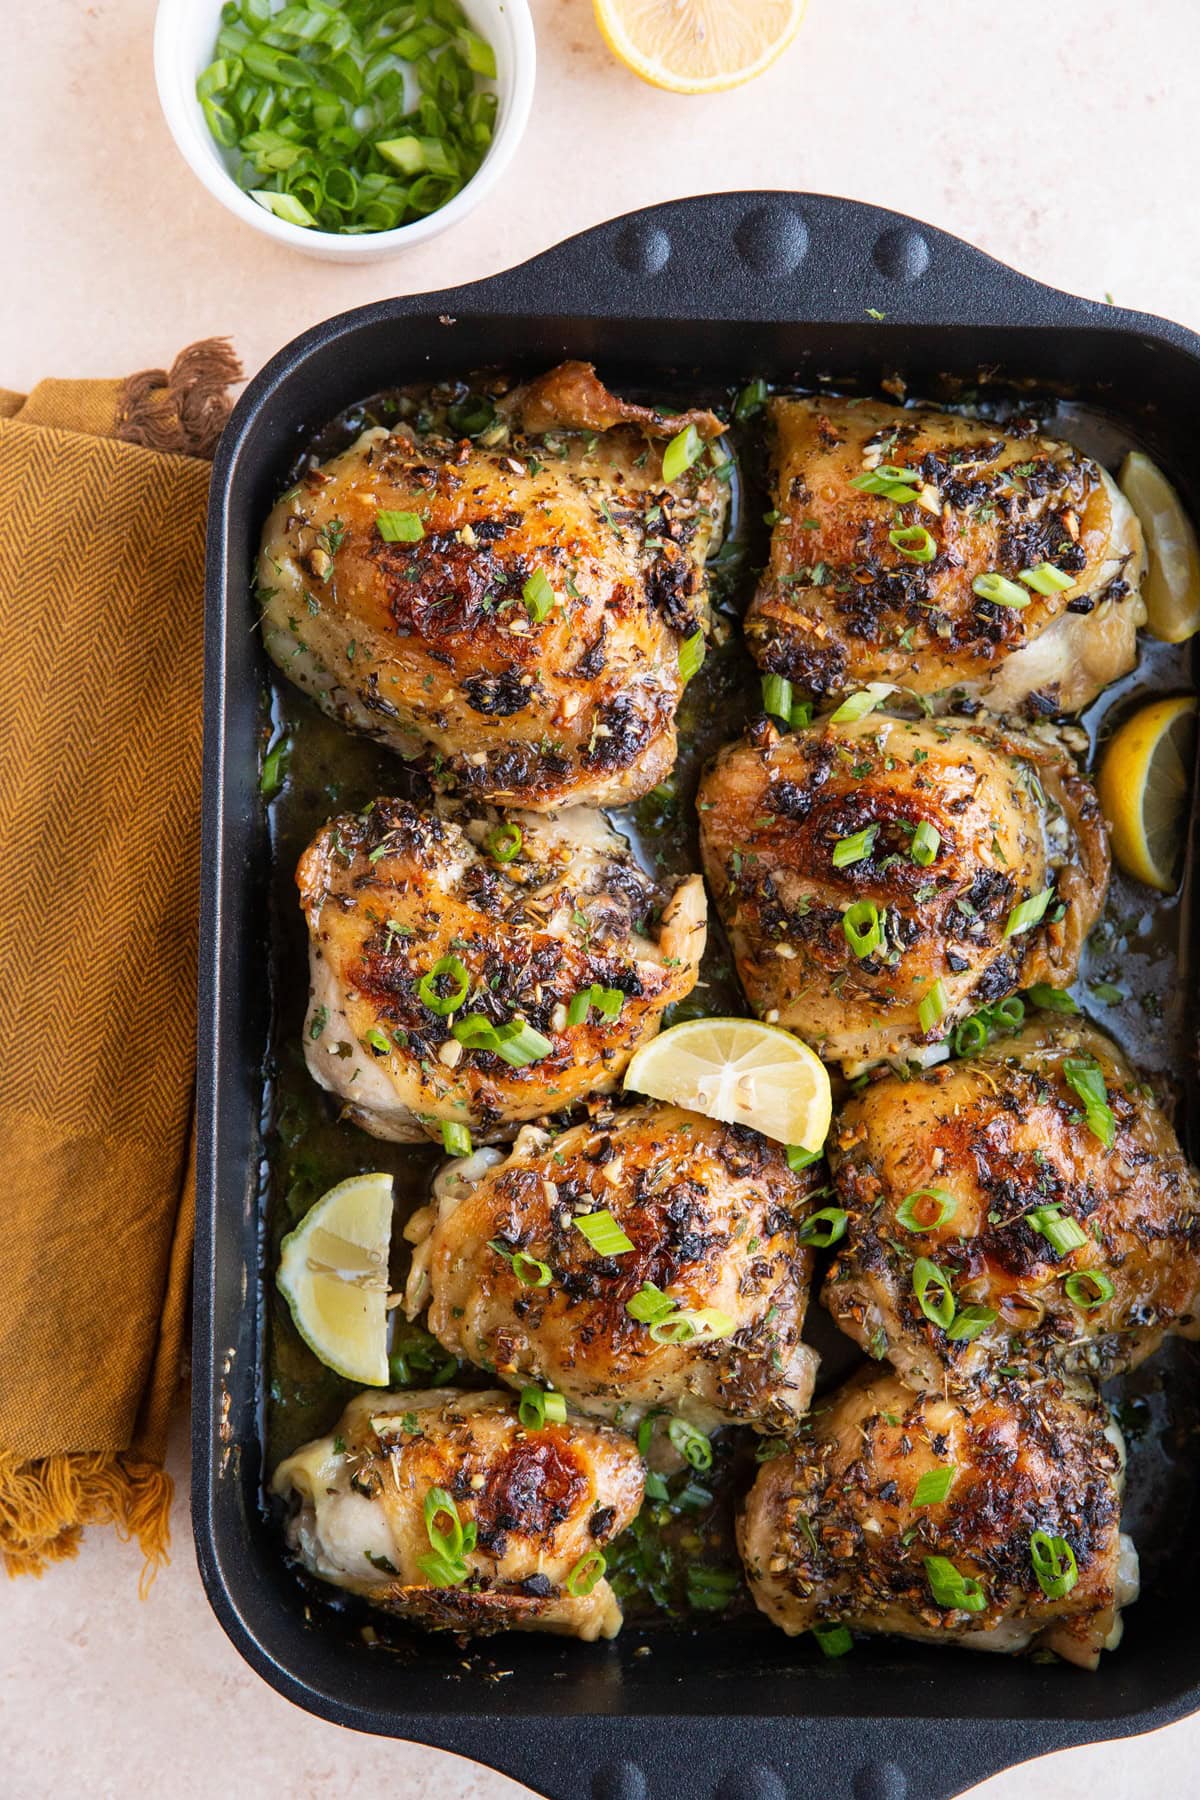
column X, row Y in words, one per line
column 1144, row 779
column 741, row 1072
column 333, row 1273
column 1172, row 584
column 698, row 46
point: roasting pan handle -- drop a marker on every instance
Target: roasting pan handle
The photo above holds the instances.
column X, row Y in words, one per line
column 778, row 257
column 623, row 1757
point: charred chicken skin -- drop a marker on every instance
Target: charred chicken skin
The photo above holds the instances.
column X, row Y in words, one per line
column 931, row 1518
column 1044, row 1186
column 711, row 1214
column 514, row 604
column 888, row 515
column 531, row 1510
column 880, row 878
column 423, row 926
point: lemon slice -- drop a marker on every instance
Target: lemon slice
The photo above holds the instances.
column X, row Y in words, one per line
column 698, row 46
column 1172, row 585
column 741, row 1072
column 333, row 1273
column 1143, row 782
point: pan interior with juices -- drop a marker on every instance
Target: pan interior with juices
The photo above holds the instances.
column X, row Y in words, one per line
column 1135, row 982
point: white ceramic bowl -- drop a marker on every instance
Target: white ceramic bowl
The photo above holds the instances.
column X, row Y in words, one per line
column 185, row 32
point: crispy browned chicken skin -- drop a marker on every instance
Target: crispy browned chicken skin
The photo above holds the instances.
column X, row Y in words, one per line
column 540, row 1501
column 395, row 892
column 1013, row 817
column 840, row 605
column 712, row 1212
column 831, row 1533
column 987, row 1143
column 434, row 643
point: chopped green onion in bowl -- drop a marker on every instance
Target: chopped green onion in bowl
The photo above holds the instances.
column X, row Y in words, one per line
column 349, row 117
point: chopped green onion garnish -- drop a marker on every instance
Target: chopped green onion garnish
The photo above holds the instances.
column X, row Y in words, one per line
column 1062, row 1234
column 1054, row 1564
column 751, row 400
column 913, row 542
column 538, row 595
column 999, row 590
column 285, row 206
column 607, row 1001
column 378, row 1041
column 799, row 1158
column 527, row 1269
column 539, row 1407
column 456, row 1139
column 450, row 1542
column 399, row 527
column 603, row 1233
column 926, row 1209
column 504, row 843
column 862, row 927
column 650, row 1304
column 935, row 1296
column 777, row 697
column 1029, row 913
column 691, row 655
column 1046, row 579
column 823, row 1228
column 274, row 768
column 970, row 1323
column 950, row 1588
column 442, row 1000
column 934, row 1485
column 586, row 1573
column 835, row 1640
column 926, row 840
column 1088, row 1289
column 890, row 481
column 691, row 1444
column 710, row 1590
column 934, row 1005
column 685, row 448
column 700, row 1326
column 1051, row 999
column 1086, row 1077
column 858, row 705
column 517, row 1043
column 856, row 848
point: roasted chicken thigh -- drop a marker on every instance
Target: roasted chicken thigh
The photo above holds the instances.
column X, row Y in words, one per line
column 880, row 877
column 481, row 971
column 513, row 603
column 950, row 1520
column 1029, row 1206
column 697, row 1307
column 887, row 516
column 442, row 1507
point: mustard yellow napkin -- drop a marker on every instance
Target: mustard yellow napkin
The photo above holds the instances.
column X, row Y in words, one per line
column 103, row 491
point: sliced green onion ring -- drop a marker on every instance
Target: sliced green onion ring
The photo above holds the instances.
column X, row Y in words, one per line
column 399, row 527
column 926, row 841
column 527, row 1270
column 855, row 848
column 970, row 1323
column 823, row 1228
column 935, row 1004
column 1047, row 579
column 603, row 1232
column 914, row 1212
column 862, row 927
column 914, row 543
column 934, row 1295
column 1054, row 1564
column 999, row 590
column 504, row 843
column 691, row 656
column 685, row 448
column 934, row 1485
column 1062, row 1234
column 1088, row 1289
column 586, row 1573
column 446, row 969
column 539, row 1407
column 1028, row 913
column 456, row 1139
column 858, row 705
column 691, row 1444
column 951, row 1588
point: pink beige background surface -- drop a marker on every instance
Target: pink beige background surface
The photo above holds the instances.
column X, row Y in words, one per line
column 1060, row 138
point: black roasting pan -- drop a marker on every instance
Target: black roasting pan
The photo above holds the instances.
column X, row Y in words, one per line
column 791, row 286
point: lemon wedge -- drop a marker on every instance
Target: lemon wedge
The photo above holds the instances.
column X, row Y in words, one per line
column 1144, row 779
column 741, row 1072
column 333, row 1273
column 698, row 46
column 1171, row 588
